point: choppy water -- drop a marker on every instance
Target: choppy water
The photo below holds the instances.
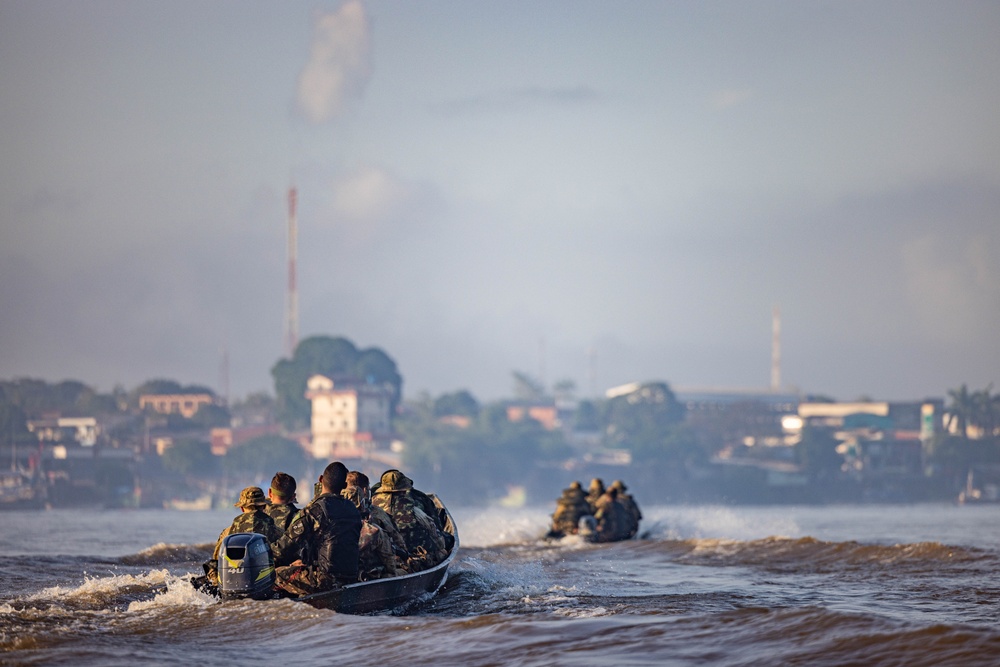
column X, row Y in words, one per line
column 867, row 585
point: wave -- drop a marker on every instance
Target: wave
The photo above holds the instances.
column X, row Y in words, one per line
column 170, row 553
column 818, row 556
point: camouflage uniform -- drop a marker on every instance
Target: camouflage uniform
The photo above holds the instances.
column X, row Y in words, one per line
column 612, row 518
column 594, row 494
column 630, row 506
column 376, row 558
column 253, row 521
column 328, row 529
column 281, row 514
column 570, row 507
column 424, row 540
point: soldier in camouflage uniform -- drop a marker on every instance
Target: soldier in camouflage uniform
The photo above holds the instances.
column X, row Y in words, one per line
column 375, row 549
column 282, row 496
column 628, row 502
column 424, row 540
column 327, row 530
column 612, row 518
column 378, row 516
column 251, row 520
column 594, row 494
column 570, row 507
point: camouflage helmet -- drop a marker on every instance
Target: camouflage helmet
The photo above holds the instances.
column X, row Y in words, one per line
column 252, row 496
column 596, row 485
column 618, row 484
column 575, row 486
column 394, row 480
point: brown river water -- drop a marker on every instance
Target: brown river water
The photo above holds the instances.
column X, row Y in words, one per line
column 843, row 585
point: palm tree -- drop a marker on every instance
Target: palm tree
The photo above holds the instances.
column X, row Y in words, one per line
column 961, row 410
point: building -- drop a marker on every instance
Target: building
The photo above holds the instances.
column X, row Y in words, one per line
column 349, row 420
column 186, row 405
column 83, row 430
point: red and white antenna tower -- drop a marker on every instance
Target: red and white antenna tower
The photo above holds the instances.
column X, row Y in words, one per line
column 292, row 298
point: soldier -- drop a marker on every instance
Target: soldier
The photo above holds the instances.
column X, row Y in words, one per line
column 252, row 519
column 612, row 518
column 282, row 496
column 570, row 507
column 424, row 541
column 376, row 558
column 594, row 494
column 328, row 528
column 630, row 505
column 378, row 516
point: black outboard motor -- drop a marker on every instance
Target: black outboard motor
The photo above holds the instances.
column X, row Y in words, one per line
column 246, row 567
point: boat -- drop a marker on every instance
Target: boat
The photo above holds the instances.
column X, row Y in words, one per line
column 978, row 492
column 367, row 597
column 19, row 491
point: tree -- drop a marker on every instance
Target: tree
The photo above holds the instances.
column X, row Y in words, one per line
column 189, row 456
column 527, row 388
column 961, row 409
column 647, row 414
column 457, row 403
column 262, row 457
column 336, row 358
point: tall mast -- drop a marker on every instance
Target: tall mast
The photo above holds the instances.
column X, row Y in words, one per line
column 292, row 305
column 776, row 349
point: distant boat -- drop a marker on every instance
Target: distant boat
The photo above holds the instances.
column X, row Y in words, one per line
column 972, row 494
column 18, row 491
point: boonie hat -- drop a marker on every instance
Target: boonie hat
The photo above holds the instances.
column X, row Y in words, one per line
column 252, row 496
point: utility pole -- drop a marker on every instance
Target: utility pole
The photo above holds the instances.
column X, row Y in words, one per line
column 292, row 297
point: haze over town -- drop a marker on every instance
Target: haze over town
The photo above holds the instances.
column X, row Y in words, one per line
column 551, row 187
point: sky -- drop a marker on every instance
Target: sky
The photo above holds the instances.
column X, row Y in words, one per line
column 600, row 192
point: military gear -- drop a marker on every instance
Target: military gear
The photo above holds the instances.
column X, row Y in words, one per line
column 570, row 507
column 330, row 527
column 281, row 514
column 424, row 540
column 594, row 494
column 612, row 518
column 252, row 496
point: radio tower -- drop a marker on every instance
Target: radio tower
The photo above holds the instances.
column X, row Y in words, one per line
column 292, row 298
column 776, row 349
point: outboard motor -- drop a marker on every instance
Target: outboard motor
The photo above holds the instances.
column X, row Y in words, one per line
column 246, row 566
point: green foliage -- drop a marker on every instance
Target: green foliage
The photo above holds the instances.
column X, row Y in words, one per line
column 587, row 417
column 477, row 463
column 336, row 358
column 261, row 457
column 14, row 425
column 643, row 418
column 211, row 416
column 457, row 403
column 189, row 456
column 527, row 388
column 67, row 398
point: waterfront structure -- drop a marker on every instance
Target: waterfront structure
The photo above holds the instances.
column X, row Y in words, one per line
column 186, row 405
column 349, row 419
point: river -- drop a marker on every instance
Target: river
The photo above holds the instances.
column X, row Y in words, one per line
column 842, row 585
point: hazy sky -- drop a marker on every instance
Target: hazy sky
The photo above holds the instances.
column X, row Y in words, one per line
column 596, row 191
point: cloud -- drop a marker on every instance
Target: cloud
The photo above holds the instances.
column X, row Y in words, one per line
column 372, row 203
column 727, row 99
column 339, row 67
column 520, row 98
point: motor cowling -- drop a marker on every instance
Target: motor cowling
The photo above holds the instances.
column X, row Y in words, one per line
column 246, row 566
